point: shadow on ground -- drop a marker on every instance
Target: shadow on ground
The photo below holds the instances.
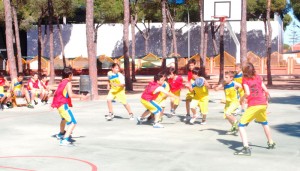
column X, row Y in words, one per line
column 294, row 100
column 292, row 129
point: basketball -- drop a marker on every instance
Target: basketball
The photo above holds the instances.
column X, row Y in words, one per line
column 199, row 82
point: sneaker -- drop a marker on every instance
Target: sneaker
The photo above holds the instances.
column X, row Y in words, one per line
column 203, row 123
column 59, row 136
column 271, row 146
column 30, row 106
column 187, row 117
column 35, row 102
column 65, row 143
column 131, row 117
column 9, row 105
column 110, row 116
column 171, row 114
column 244, row 152
column 158, row 125
column 140, row 120
column 192, row 120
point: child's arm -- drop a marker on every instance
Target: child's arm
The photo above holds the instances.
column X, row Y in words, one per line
column 217, row 87
column 161, row 89
column 246, row 90
column 237, row 85
column 72, row 95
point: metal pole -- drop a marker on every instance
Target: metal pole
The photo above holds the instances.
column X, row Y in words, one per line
column 188, row 24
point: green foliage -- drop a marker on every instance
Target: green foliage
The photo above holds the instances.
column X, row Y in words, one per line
column 296, row 7
column 256, row 9
column 108, row 11
column 287, row 19
column 286, row 47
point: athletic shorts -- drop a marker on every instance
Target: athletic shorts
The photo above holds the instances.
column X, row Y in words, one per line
column 152, row 106
column 259, row 113
column 202, row 104
column 161, row 101
column 119, row 96
column 66, row 114
column 18, row 93
column 189, row 96
column 230, row 107
column 176, row 93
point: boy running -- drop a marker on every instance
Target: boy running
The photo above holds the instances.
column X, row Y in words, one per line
column 62, row 101
column 232, row 101
column 256, row 93
column 116, row 87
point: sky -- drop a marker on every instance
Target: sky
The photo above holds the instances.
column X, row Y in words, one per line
column 287, row 33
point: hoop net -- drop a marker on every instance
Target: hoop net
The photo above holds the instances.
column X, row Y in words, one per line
column 220, row 18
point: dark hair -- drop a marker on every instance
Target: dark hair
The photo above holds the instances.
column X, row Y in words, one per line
column 20, row 74
column 172, row 70
column 248, row 70
column 34, row 73
column 43, row 76
column 230, row 73
column 66, row 72
column 114, row 65
column 158, row 76
column 192, row 61
column 197, row 71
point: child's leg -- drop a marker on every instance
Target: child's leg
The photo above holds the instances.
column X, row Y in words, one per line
column 268, row 133
column 244, row 137
column 69, row 131
column 146, row 113
column 109, row 105
column 187, row 106
column 62, row 126
column 128, row 108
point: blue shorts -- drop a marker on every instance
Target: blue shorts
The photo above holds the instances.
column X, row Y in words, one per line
column 1, row 95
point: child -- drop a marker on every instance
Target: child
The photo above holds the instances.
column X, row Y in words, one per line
column 4, row 97
column 18, row 89
column 45, row 88
column 62, row 101
column 238, row 78
column 161, row 98
column 116, row 87
column 34, row 88
column 200, row 97
column 190, row 94
column 175, row 82
column 232, row 101
column 256, row 93
column 148, row 97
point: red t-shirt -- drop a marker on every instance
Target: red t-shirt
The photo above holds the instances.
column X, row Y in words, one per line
column 2, row 81
column 190, row 75
column 175, row 84
column 148, row 93
column 257, row 94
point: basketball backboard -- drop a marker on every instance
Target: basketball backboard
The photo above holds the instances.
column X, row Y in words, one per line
column 232, row 9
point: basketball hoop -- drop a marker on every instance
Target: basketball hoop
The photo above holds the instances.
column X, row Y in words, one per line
column 220, row 18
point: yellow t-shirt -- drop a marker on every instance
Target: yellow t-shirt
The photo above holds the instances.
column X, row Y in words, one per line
column 231, row 94
column 238, row 77
column 201, row 93
column 117, row 78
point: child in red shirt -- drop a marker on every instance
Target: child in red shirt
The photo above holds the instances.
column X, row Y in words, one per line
column 256, row 93
column 175, row 81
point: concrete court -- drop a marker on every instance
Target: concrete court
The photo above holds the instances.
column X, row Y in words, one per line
column 27, row 142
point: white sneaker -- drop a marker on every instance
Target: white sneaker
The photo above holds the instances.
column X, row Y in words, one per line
column 131, row 117
column 65, row 143
column 158, row 125
column 192, row 120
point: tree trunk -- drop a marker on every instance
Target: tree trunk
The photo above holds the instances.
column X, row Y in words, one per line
column 61, row 42
column 243, row 53
column 174, row 39
column 221, row 75
column 269, row 43
column 133, row 22
column 39, row 44
column 18, row 44
column 91, row 48
column 164, row 34
column 203, row 68
column 213, row 37
column 51, row 42
column 126, row 45
column 202, row 39
column 9, row 39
